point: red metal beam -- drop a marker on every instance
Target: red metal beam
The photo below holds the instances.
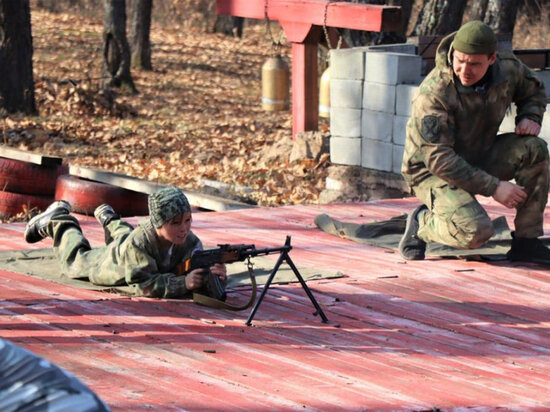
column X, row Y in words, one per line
column 339, row 14
column 301, row 21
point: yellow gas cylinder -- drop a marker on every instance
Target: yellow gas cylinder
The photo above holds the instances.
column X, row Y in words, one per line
column 324, row 94
column 275, row 84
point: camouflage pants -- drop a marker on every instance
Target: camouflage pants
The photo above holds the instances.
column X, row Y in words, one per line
column 78, row 260
column 455, row 217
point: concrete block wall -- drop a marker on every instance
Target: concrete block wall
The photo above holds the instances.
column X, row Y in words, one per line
column 371, row 104
column 370, row 131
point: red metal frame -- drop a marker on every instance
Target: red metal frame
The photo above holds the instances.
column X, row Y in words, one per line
column 301, row 21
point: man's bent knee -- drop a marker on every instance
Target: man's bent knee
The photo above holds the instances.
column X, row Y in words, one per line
column 471, row 230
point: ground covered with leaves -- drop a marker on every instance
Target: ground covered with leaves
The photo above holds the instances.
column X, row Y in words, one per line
column 197, row 117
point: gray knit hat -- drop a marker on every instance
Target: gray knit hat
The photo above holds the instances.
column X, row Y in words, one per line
column 166, row 204
column 475, row 37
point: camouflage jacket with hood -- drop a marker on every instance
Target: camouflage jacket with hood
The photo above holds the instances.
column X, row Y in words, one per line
column 452, row 127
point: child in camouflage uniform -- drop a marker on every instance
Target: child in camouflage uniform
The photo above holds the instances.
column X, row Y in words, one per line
column 453, row 152
column 144, row 259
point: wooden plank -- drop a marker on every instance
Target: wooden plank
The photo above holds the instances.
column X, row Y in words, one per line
column 338, row 14
column 196, row 199
column 31, row 157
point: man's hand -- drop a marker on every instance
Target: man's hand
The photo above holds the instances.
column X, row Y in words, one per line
column 509, row 194
column 528, row 127
column 219, row 270
column 194, row 279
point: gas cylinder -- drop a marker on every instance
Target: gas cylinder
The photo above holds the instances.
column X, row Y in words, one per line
column 275, row 84
column 324, row 94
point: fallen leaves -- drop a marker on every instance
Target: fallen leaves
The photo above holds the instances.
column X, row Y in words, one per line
column 197, row 117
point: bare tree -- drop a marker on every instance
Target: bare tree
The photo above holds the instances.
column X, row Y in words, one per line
column 16, row 77
column 140, row 29
column 439, row 17
column 116, row 51
column 500, row 15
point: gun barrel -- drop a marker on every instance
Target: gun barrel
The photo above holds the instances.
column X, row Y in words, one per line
column 271, row 250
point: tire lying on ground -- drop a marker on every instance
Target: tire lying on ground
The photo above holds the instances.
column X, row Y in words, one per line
column 27, row 178
column 85, row 195
column 12, row 204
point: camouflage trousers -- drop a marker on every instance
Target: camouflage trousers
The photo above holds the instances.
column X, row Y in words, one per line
column 456, row 218
column 78, row 260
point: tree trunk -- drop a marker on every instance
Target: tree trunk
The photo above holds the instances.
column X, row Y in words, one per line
column 229, row 25
column 139, row 34
column 356, row 38
column 439, row 17
column 478, row 10
column 116, row 51
column 16, row 77
column 501, row 16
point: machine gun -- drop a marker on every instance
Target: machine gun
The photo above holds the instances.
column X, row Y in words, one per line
column 229, row 253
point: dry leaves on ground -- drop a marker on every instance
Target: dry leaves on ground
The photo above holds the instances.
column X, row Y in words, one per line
column 197, row 117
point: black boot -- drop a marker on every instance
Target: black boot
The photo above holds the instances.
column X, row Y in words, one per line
column 105, row 214
column 528, row 250
column 37, row 228
column 410, row 246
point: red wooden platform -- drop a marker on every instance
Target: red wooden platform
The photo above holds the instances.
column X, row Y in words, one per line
column 446, row 334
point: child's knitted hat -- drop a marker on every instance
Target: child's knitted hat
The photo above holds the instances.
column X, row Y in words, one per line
column 166, row 204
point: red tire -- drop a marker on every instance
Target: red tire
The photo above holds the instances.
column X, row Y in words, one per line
column 12, row 204
column 29, row 178
column 85, row 195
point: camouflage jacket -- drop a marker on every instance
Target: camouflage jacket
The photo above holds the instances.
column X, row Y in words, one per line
column 452, row 127
column 138, row 262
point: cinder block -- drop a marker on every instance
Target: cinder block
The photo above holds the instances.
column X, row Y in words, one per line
column 545, row 129
column 399, row 132
column 345, row 122
column 508, row 124
column 345, row 150
column 379, row 97
column 544, row 77
column 404, row 94
column 346, row 93
column 397, row 158
column 348, row 63
column 376, row 155
column 392, row 68
column 377, row 125
column 404, row 48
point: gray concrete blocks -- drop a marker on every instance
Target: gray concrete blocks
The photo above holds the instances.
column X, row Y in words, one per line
column 404, row 48
column 545, row 129
column 345, row 150
column 379, row 97
column 399, row 130
column 403, row 97
column 392, row 68
column 345, row 122
column 397, row 158
column 544, row 77
column 376, row 154
column 377, row 125
column 347, row 63
column 346, row 93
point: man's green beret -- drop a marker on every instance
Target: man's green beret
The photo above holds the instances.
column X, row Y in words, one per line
column 475, row 37
column 166, row 204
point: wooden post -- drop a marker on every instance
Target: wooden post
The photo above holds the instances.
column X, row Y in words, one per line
column 302, row 21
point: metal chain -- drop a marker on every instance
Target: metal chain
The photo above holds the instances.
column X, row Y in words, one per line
column 325, row 30
column 274, row 43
